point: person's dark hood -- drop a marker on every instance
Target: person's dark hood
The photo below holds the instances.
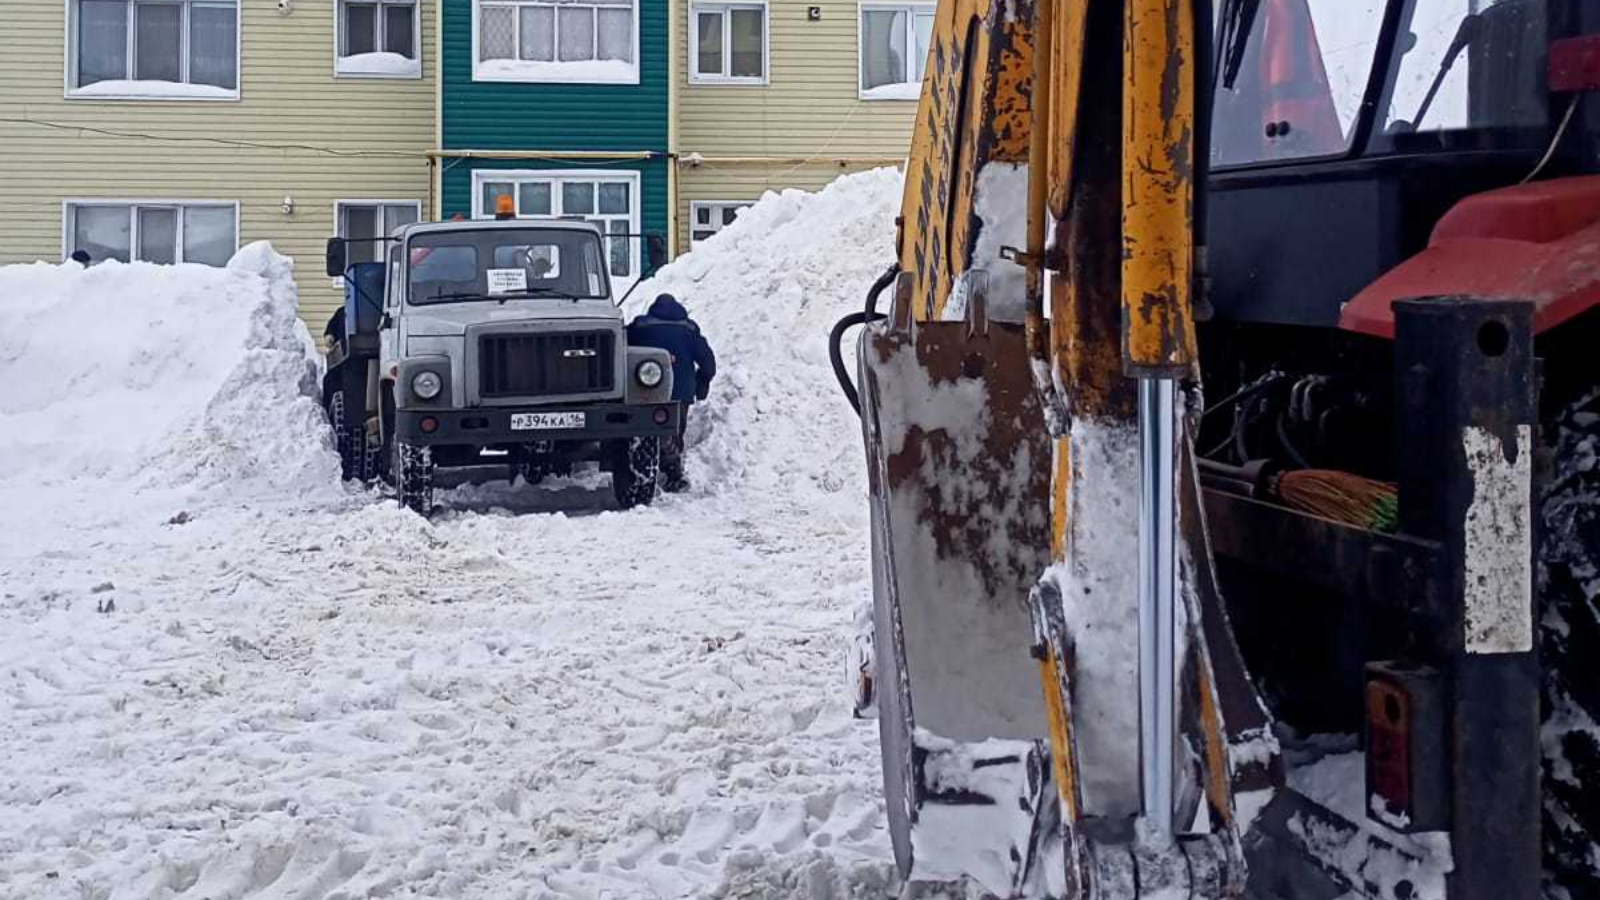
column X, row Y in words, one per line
column 667, row 308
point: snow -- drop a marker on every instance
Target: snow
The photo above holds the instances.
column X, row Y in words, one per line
column 1098, row 587
column 904, row 90
column 1338, row 782
column 160, row 90
column 943, row 842
column 610, row 71
column 393, row 65
column 223, row 674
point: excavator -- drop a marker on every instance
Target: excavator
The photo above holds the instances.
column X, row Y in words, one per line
column 1232, row 434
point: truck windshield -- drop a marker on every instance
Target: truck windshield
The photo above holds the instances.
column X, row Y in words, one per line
column 505, row 264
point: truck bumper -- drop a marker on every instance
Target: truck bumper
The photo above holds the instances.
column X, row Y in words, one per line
column 487, row 426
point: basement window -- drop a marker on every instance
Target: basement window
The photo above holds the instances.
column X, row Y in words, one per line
column 378, row 39
column 707, row 217
column 576, row 41
column 153, row 49
column 894, row 49
column 154, row 231
column 730, row 43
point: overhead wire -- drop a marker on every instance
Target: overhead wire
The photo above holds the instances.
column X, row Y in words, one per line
column 204, row 139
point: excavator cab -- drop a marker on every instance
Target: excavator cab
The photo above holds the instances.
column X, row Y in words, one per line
column 1230, row 433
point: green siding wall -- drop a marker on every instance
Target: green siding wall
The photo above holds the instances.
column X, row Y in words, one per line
column 536, row 116
column 506, row 116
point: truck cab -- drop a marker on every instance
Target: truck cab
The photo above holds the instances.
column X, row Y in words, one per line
column 492, row 343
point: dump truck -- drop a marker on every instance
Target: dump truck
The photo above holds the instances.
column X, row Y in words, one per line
column 1229, row 414
column 492, row 342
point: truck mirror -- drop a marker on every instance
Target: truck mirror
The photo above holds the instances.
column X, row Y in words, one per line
column 336, row 257
column 656, row 250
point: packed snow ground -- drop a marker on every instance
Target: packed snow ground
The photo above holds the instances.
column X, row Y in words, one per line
column 224, row 675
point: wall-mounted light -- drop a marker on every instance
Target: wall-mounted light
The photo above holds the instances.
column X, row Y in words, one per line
column 288, row 205
column 814, row 13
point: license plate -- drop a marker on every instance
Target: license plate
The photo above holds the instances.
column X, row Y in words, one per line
column 542, row 421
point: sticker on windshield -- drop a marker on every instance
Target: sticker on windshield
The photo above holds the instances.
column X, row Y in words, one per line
column 507, row 281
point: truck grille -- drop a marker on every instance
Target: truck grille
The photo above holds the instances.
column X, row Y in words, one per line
column 549, row 364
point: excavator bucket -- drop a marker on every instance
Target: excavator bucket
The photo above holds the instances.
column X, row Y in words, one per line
column 960, row 480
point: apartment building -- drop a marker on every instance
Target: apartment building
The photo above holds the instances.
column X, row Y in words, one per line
column 789, row 93
column 176, row 130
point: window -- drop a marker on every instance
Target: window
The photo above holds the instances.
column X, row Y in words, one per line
column 365, row 221
column 894, row 50
column 378, row 38
column 1305, row 66
column 590, row 41
column 730, row 43
column 1496, row 79
column 608, row 199
column 168, row 49
column 708, row 217
column 156, row 232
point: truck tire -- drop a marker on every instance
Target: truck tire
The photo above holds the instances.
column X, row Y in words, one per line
column 412, row 470
column 348, row 442
column 635, row 463
column 1569, row 619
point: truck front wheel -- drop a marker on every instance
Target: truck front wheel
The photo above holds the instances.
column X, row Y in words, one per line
column 635, row 463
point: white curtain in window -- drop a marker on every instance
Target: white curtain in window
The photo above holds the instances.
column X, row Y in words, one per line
column 709, row 49
column 208, row 235
column 157, row 42
column 616, row 33
column 747, row 42
column 497, row 33
column 158, row 234
column 212, row 48
column 576, row 29
column 104, row 232
column 883, row 47
column 538, row 33
column 102, row 41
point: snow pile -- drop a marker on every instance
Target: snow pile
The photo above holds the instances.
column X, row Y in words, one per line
column 160, row 376
column 392, row 65
column 765, row 290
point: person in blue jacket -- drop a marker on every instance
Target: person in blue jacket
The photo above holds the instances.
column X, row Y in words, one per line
column 667, row 326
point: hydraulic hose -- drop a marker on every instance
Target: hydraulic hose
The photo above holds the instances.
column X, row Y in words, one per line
column 836, row 336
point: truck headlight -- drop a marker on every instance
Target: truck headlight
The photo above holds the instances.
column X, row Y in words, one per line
column 426, row 385
column 649, row 373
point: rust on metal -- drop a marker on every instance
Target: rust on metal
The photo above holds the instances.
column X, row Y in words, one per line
column 975, row 110
column 1158, row 189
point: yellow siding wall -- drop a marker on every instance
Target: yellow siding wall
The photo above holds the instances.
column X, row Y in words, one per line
column 371, row 136
column 808, row 110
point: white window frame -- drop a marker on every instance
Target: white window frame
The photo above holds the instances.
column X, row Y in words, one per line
column 554, row 75
column 619, row 284
column 698, row 77
column 338, row 218
column 72, row 91
column 133, row 226
column 716, row 206
column 339, row 69
column 911, row 9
